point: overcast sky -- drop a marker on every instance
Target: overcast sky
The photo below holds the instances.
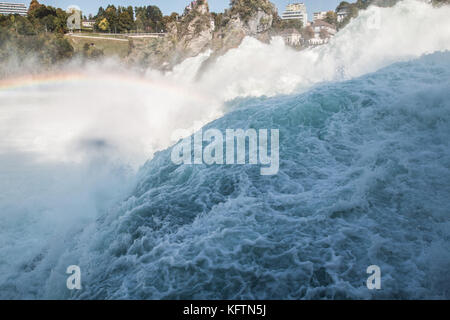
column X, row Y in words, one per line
column 169, row 6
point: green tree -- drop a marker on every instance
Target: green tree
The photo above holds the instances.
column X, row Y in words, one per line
column 131, row 12
column 61, row 21
column 291, row 23
column 352, row 11
column 149, row 19
column 125, row 21
column 154, row 13
column 33, row 6
column 101, row 12
column 343, row 5
column 61, row 49
column 104, row 25
column 140, row 21
column 245, row 8
column 49, row 23
column 154, row 16
column 331, row 18
column 22, row 25
column 111, row 14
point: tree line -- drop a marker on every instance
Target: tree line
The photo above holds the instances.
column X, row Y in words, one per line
column 39, row 36
column 126, row 19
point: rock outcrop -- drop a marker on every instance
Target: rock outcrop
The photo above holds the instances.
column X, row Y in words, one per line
column 195, row 31
column 199, row 30
column 256, row 23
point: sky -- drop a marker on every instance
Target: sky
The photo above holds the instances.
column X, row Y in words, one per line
column 169, row 6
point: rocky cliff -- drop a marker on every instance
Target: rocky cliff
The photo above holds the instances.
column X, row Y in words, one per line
column 198, row 30
column 238, row 23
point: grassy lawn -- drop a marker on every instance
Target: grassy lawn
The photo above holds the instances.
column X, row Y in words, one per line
column 110, row 47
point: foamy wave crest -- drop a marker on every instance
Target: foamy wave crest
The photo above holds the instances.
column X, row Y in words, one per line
column 357, row 158
column 363, row 180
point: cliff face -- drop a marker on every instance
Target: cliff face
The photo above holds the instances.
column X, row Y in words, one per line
column 256, row 24
column 198, row 30
column 194, row 31
column 190, row 35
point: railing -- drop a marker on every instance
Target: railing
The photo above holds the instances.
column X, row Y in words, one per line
column 122, row 35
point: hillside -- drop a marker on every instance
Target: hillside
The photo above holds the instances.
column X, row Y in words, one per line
column 199, row 30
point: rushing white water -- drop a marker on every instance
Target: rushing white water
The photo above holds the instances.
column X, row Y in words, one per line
column 69, row 151
column 377, row 38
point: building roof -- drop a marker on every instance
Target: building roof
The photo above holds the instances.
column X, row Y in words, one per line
column 321, row 23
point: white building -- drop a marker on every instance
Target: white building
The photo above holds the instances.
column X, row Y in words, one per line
column 320, row 15
column 320, row 25
column 323, row 31
column 296, row 11
column 292, row 37
column 13, row 8
column 89, row 24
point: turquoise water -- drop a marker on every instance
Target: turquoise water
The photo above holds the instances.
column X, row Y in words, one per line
column 364, row 179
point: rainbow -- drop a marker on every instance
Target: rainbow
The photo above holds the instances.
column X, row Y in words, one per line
column 78, row 77
column 33, row 80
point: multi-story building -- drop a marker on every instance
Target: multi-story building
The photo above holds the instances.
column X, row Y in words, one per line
column 292, row 37
column 323, row 31
column 296, row 11
column 320, row 15
column 13, row 8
